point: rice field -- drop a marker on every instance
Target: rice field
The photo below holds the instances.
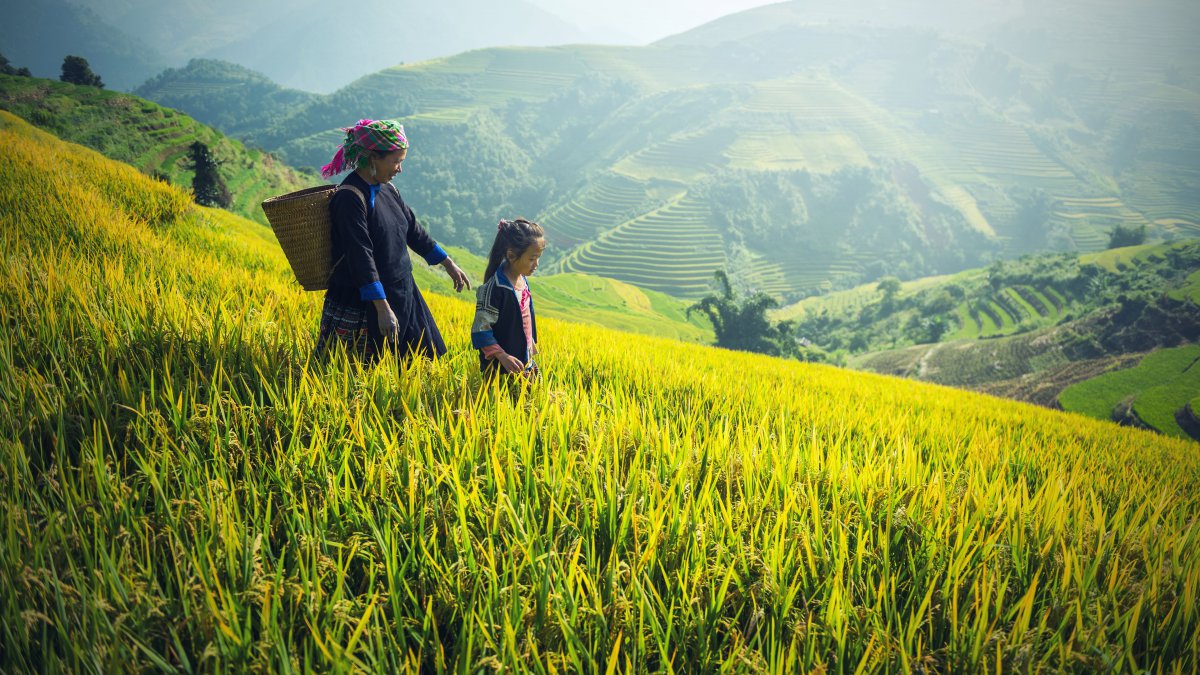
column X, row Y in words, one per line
column 683, row 158
column 603, row 204
column 186, row 489
column 674, row 249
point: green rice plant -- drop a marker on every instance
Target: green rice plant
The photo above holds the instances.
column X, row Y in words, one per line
column 185, row 488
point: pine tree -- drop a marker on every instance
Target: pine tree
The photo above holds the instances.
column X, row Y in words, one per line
column 76, row 70
column 207, row 185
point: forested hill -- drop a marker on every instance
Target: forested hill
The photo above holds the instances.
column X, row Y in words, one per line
column 801, row 155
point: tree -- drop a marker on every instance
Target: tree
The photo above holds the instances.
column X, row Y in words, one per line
column 742, row 323
column 889, row 286
column 1126, row 236
column 207, row 185
column 75, row 70
column 7, row 68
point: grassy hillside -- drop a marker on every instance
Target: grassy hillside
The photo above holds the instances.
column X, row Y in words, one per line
column 1007, row 298
column 1154, row 393
column 1024, row 329
column 150, row 137
column 185, row 489
column 803, row 156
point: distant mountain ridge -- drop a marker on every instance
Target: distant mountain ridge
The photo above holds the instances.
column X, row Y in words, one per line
column 318, row 47
column 39, row 35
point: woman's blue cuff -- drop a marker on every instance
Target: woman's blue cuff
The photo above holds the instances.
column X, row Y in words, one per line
column 371, row 292
column 437, row 255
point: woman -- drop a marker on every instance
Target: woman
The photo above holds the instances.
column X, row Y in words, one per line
column 372, row 300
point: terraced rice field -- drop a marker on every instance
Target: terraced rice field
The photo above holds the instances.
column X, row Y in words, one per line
column 1166, row 194
column 820, row 271
column 767, row 277
column 1002, row 149
column 527, row 74
column 820, row 105
column 684, row 158
column 492, row 74
column 662, row 68
column 674, row 249
column 429, row 94
column 1003, row 313
column 838, row 302
column 818, row 153
column 1117, row 259
column 187, row 489
column 601, row 206
column 1091, row 219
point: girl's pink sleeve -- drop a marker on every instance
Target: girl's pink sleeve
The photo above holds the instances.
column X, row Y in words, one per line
column 491, row 351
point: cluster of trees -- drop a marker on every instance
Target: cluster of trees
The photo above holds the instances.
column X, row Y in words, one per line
column 1127, row 236
column 740, row 322
column 7, row 68
column 75, row 70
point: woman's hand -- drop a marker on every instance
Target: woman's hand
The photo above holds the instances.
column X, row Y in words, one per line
column 456, row 275
column 389, row 326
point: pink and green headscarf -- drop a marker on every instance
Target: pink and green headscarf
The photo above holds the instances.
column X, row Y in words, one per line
column 367, row 135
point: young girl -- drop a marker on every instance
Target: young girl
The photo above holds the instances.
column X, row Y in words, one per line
column 505, row 330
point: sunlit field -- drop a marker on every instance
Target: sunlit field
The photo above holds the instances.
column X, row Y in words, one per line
column 186, row 489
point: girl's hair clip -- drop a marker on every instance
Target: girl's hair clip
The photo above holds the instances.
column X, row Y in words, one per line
column 501, row 225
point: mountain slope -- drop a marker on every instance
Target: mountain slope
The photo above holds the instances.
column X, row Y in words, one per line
column 184, row 486
column 206, row 89
column 152, row 138
column 801, row 155
column 1026, row 329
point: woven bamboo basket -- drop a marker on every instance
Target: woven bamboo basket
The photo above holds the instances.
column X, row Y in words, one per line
column 301, row 223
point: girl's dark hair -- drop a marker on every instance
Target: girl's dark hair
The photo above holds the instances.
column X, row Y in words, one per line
column 517, row 235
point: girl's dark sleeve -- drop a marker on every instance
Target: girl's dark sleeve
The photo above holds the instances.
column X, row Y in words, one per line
column 349, row 216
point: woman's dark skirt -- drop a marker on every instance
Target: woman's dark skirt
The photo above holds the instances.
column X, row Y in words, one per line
column 352, row 323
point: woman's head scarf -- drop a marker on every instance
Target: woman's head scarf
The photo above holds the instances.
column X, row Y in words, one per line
column 378, row 135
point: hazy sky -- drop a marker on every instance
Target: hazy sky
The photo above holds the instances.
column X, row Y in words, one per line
column 642, row 21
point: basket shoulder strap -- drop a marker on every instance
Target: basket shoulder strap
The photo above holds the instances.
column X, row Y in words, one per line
column 358, row 193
